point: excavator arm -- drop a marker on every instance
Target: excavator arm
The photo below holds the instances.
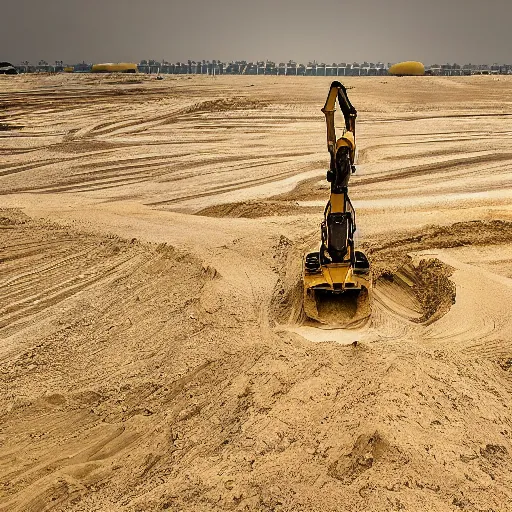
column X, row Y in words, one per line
column 339, row 92
column 339, row 217
column 337, row 268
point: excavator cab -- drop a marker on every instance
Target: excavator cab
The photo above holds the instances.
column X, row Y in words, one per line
column 337, row 276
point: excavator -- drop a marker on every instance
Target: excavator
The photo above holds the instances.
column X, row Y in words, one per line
column 337, row 276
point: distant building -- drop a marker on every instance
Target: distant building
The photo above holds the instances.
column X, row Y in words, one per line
column 6, row 68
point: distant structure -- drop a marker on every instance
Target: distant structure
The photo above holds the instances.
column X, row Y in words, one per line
column 409, row 68
column 6, row 68
column 290, row 68
column 82, row 67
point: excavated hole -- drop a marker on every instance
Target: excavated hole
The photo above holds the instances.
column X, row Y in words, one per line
column 420, row 293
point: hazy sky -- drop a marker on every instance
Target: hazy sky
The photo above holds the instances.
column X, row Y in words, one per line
column 432, row 31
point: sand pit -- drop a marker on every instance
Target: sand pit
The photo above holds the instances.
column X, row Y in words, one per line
column 154, row 353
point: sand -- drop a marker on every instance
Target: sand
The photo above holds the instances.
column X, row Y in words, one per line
column 154, row 354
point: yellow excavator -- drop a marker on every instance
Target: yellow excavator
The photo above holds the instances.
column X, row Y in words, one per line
column 337, row 276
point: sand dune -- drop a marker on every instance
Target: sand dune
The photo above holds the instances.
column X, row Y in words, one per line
column 154, row 354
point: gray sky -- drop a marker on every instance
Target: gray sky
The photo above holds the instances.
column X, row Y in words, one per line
column 433, row 31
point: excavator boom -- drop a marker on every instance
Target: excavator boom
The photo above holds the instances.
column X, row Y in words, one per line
column 337, row 267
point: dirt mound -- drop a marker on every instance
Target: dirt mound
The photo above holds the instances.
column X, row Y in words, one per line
column 224, row 105
column 367, row 451
column 307, row 190
column 277, row 205
column 256, row 209
column 44, row 264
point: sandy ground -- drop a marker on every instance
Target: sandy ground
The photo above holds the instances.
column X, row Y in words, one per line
column 153, row 352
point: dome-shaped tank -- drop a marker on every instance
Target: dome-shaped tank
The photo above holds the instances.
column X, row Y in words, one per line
column 409, row 68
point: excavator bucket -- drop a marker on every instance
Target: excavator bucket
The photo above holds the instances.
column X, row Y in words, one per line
column 337, row 294
column 348, row 310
